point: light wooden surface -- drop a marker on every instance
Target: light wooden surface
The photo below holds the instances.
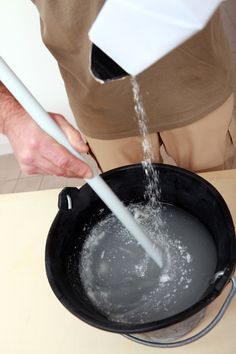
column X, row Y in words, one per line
column 33, row 321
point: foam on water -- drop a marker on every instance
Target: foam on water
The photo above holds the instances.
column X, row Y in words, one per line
column 123, row 283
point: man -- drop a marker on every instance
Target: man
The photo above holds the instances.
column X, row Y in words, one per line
column 187, row 96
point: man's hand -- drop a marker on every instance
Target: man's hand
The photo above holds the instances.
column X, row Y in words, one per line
column 38, row 153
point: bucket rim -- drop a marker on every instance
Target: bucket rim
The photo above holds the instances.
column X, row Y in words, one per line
column 116, row 327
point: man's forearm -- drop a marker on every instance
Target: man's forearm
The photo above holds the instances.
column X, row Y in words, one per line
column 8, row 107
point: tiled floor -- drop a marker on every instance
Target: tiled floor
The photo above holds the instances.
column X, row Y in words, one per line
column 12, row 179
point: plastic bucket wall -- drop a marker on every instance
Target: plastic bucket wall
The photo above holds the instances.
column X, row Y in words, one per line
column 178, row 187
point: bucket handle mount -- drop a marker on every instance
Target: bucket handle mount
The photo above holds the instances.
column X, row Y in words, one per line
column 197, row 336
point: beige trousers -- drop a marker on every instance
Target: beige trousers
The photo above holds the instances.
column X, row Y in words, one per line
column 206, row 145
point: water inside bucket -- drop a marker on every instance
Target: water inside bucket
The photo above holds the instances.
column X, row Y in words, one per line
column 125, row 285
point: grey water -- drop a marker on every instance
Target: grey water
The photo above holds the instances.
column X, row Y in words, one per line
column 125, row 285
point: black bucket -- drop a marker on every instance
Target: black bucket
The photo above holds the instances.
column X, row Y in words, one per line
column 80, row 207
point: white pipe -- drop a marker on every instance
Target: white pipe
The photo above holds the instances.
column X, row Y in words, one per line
column 45, row 122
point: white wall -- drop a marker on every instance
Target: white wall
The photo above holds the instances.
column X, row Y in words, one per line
column 22, row 48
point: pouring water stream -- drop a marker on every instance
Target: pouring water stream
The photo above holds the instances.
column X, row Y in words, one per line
column 42, row 118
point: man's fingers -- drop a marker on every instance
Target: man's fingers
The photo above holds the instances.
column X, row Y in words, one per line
column 45, row 167
column 31, row 170
column 38, row 153
column 72, row 134
column 64, row 161
column 46, row 156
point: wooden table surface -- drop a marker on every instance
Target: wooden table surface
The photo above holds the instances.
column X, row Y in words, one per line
column 33, row 321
